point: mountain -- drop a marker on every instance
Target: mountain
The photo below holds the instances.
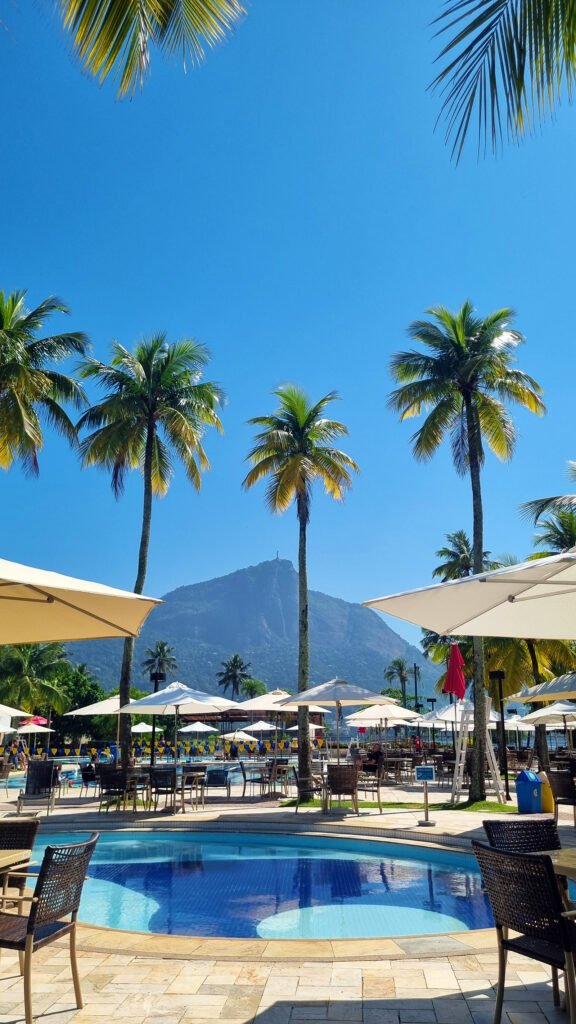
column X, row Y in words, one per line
column 254, row 611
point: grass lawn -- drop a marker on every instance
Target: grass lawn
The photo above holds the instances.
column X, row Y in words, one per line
column 489, row 806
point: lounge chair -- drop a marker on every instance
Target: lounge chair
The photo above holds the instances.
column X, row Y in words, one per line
column 53, row 912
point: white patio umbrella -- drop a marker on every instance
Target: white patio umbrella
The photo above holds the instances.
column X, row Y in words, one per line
column 108, row 706
column 337, row 693
column 393, row 714
column 240, row 735
column 142, row 727
column 39, row 606
column 29, row 730
column 561, row 688
column 311, row 728
column 260, row 727
column 197, row 727
column 8, row 712
column 453, row 713
column 169, row 701
column 555, row 714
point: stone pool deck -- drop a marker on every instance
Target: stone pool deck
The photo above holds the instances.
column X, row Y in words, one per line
column 148, row 978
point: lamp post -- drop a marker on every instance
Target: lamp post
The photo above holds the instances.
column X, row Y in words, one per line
column 431, row 701
column 155, row 679
column 498, row 677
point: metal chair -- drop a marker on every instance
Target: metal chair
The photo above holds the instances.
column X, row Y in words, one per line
column 41, row 783
column 53, row 912
column 216, row 778
column 113, row 782
column 89, row 778
column 164, row 782
column 370, row 783
column 18, row 834
column 525, row 898
column 317, row 786
column 255, row 776
column 342, row 780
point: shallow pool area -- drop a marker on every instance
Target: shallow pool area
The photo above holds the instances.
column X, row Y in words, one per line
column 257, row 885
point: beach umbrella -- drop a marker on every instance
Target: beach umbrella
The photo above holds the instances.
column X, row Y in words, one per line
column 337, row 693
column 239, row 735
column 170, row 701
column 386, row 716
column 7, row 712
column 311, row 728
column 260, row 727
column 197, row 727
column 561, row 688
column 35, row 720
column 108, row 706
column 142, row 727
column 27, row 730
column 531, row 599
column 39, row 606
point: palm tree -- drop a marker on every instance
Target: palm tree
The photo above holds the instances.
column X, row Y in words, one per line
column 29, row 676
column 462, row 380
column 156, row 406
column 116, row 38
column 234, row 671
column 159, row 660
column 30, row 388
column 398, row 670
column 253, row 688
column 560, row 503
column 557, row 532
column 505, row 66
column 293, row 450
column 457, row 558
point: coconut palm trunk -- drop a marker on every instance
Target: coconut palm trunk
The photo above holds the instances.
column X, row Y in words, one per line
column 304, row 757
column 540, row 734
column 477, row 782
column 125, row 733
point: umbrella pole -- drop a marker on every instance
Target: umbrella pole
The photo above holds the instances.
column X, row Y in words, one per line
column 337, row 732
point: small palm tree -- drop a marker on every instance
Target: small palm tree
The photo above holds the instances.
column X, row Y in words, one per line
column 457, row 558
column 31, row 389
column 116, row 38
column 557, row 532
column 506, row 64
column 293, row 450
column 253, row 688
column 398, row 670
column 29, row 676
column 159, row 660
column 462, row 379
column 156, row 406
column 234, row 671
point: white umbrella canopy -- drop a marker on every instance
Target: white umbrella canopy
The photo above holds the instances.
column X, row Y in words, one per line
column 260, row 727
column 555, row 714
column 196, row 727
column 142, row 727
column 518, row 723
column 393, row 714
column 108, row 706
column 563, row 687
column 169, row 701
column 273, row 702
column 311, row 728
column 7, row 712
column 532, row 599
column 240, row 735
column 39, row 606
column 28, row 730
column 453, row 713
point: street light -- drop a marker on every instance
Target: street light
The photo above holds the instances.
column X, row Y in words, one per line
column 498, row 677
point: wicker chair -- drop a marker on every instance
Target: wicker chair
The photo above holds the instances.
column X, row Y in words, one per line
column 41, row 784
column 342, row 780
column 216, row 778
column 564, row 791
column 113, row 784
column 525, row 898
column 164, row 782
column 523, row 835
column 371, row 784
column 316, row 788
column 53, row 912
column 17, row 834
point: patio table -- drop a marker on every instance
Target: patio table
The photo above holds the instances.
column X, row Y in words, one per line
column 564, row 862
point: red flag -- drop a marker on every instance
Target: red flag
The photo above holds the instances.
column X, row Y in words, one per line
column 455, row 682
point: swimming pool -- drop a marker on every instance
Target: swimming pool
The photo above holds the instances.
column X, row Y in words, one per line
column 276, row 887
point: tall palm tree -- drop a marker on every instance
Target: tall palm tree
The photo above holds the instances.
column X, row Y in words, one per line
column 116, row 36
column 457, row 558
column 506, row 65
column 30, row 389
column 234, row 672
column 156, row 407
column 293, row 450
column 462, row 380
column 29, row 676
column 398, row 670
column 559, row 503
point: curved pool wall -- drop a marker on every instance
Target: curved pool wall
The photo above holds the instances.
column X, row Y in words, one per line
column 255, row 885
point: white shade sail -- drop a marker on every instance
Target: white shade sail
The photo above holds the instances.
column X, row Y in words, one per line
column 39, row 606
column 532, row 599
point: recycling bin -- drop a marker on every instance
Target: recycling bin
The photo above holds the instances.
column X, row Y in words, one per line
column 529, row 793
column 547, row 796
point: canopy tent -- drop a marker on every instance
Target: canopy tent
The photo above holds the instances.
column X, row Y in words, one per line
column 197, row 727
column 39, row 606
column 532, row 599
column 338, row 693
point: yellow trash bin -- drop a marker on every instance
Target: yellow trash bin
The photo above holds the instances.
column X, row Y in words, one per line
column 546, row 793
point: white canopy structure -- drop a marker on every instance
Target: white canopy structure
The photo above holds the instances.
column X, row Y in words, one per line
column 30, row 730
column 561, row 713
column 389, row 715
column 142, row 727
column 196, row 727
column 238, row 736
column 40, row 606
column 170, row 701
column 267, row 703
column 534, row 598
column 108, row 706
column 560, row 688
column 260, row 727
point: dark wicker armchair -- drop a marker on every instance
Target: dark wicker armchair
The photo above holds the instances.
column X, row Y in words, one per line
column 342, row 780
column 17, row 834
column 113, row 786
column 53, row 912
column 304, row 792
column 525, row 898
column 164, row 782
column 563, row 790
column 523, row 835
column 42, row 781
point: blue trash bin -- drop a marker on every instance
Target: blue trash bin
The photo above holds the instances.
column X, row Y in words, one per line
column 529, row 793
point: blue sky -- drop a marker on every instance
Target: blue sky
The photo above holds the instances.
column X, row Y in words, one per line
column 290, row 205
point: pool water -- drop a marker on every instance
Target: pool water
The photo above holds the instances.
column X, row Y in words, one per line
column 276, row 887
